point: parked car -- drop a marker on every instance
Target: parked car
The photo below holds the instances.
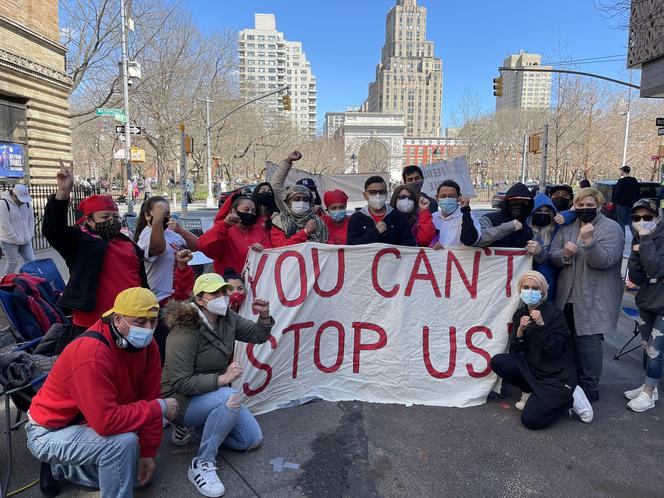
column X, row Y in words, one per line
column 649, row 190
column 244, row 189
column 498, row 198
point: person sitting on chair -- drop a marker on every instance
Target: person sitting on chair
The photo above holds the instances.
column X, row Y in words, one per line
column 98, row 417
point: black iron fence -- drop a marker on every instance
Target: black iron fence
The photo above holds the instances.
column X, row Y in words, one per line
column 40, row 194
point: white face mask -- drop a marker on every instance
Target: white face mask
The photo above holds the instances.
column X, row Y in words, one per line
column 405, row 205
column 645, row 225
column 377, row 201
column 218, row 306
column 299, row 207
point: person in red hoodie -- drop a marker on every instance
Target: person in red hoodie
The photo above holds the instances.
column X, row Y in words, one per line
column 234, row 231
column 98, row 417
column 336, row 219
column 416, row 208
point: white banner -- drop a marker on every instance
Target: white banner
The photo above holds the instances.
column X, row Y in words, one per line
column 378, row 323
column 456, row 169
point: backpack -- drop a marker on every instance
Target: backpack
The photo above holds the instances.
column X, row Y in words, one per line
column 33, row 304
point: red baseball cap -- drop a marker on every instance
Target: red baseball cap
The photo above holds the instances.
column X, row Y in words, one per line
column 95, row 203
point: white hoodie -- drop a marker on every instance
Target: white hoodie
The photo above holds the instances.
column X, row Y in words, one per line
column 17, row 223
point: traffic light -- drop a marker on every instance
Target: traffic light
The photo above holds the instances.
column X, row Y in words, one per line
column 498, row 86
column 188, row 144
column 534, row 143
column 286, row 102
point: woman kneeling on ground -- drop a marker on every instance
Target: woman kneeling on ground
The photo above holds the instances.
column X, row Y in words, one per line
column 198, row 372
column 541, row 358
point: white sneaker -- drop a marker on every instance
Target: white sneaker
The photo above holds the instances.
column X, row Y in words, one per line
column 634, row 393
column 582, row 406
column 204, row 476
column 642, row 403
column 521, row 404
column 180, row 435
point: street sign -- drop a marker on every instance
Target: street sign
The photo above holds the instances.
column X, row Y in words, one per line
column 120, row 116
column 134, row 130
column 659, row 122
column 660, row 131
column 137, row 154
column 108, row 112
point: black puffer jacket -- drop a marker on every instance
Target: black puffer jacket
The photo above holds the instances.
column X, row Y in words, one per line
column 646, row 269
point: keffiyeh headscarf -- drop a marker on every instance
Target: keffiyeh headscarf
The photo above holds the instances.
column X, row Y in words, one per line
column 291, row 223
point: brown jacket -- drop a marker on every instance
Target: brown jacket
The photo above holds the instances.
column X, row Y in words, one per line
column 196, row 355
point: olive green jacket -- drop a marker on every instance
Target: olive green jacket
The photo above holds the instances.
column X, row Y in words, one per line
column 196, row 354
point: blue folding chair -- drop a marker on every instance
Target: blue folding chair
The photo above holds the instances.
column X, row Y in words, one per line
column 45, row 268
column 7, row 305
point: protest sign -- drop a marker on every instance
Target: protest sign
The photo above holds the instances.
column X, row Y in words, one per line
column 378, row 323
column 456, row 169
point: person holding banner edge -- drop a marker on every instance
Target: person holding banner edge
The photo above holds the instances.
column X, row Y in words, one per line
column 541, row 358
column 199, row 368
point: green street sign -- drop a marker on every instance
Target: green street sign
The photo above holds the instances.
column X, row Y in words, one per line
column 121, row 117
column 108, row 112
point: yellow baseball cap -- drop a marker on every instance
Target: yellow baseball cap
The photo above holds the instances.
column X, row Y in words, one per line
column 136, row 301
column 210, row 282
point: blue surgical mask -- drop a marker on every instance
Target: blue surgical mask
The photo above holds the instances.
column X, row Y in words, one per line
column 338, row 216
column 139, row 337
column 448, row 205
column 531, row 297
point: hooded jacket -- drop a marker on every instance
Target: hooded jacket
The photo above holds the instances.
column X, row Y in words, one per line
column 498, row 228
column 17, row 223
column 362, row 229
column 646, row 269
column 541, row 261
column 196, row 353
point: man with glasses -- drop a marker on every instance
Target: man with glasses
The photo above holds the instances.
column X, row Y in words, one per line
column 378, row 222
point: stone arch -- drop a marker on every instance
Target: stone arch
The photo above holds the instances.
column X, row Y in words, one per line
column 373, row 156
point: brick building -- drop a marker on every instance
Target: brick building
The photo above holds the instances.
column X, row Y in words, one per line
column 34, row 92
column 427, row 150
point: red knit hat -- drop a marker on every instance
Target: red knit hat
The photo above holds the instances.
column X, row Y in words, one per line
column 332, row 196
column 95, row 203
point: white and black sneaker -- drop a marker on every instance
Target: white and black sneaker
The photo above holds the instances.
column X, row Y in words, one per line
column 582, row 406
column 180, row 435
column 204, row 476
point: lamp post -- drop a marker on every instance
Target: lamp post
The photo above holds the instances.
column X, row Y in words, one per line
column 353, row 160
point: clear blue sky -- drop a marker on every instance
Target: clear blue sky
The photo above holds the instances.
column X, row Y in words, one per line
column 343, row 39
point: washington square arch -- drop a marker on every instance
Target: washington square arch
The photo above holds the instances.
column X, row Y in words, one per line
column 373, row 143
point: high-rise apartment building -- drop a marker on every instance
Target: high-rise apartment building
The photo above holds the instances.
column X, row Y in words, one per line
column 525, row 89
column 409, row 78
column 268, row 61
column 333, row 121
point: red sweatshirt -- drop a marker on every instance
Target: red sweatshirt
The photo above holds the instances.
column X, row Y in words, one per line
column 425, row 230
column 115, row 390
column 337, row 233
column 228, row 246
column 279, row 238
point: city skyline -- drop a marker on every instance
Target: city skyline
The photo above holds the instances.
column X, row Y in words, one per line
column 344, row 66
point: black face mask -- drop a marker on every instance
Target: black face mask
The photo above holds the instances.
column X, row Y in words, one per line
column 541, row 219
column 561, row 203
column 165, row 222
column 586, row 214
column 518, row 211
column 417, row 185
column 265, row 198
column 247, row 219
column 108, row 229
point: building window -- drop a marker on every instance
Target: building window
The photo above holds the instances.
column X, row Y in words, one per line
column 13, row 121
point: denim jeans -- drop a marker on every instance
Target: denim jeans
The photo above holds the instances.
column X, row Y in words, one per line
column 235, row 428
column 11, row 252
column 78, row 454
column 652, row 333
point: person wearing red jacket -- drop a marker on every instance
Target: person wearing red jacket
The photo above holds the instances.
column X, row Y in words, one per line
column 234, row 231
column 297, row 221
column 416, row 208
column 98, row 417
column 336, row 220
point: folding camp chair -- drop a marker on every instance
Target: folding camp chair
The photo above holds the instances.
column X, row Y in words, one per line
column 632, row 314
column 7, row 306
column 21, row 397
column 45, row 268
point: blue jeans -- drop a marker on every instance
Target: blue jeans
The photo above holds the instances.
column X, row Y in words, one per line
column 11, row 252
column 652, row 333
column 80, row 455
column 235, row 428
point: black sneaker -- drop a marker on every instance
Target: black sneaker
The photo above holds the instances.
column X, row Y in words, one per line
column 47, row 483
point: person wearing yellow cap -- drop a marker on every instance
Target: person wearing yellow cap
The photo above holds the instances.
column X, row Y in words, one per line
column 198, row 370
column 98, row 417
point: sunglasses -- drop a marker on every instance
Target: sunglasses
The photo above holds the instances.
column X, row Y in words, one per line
column 402, row 197
column 646, row 217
